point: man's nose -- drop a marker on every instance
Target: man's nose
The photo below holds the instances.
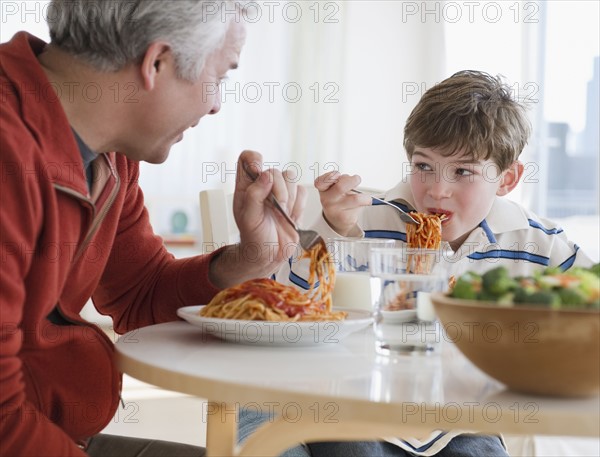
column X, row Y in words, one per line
column 216, row 104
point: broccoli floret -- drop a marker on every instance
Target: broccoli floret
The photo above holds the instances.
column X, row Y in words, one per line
column 571, row 298
column 498, row 282
column 484, row 295
column 467, row 286
column 544, row 298
column 595, row 269
column 522, row 294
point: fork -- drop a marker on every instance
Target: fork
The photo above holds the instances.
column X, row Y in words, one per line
column 308, row 238
column 403, row 214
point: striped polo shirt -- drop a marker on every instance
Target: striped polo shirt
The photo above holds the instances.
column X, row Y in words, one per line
column 510, row 235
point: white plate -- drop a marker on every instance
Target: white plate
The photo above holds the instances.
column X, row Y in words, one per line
column 398, row 317
column 278, row 333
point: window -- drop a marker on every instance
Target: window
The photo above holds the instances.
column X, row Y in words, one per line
column 548, row 51
column 570, row 107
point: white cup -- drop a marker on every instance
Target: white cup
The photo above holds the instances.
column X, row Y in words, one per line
column 354, row 287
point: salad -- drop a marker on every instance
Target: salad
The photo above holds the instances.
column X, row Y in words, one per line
column 553, row 288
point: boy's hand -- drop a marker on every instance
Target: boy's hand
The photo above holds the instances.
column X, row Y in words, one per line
column 340, row 206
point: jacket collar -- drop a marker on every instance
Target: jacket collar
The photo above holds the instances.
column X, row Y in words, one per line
column 42, row 111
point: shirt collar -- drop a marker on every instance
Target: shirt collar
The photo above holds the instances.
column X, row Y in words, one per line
column 506, row 216
column 87, row 155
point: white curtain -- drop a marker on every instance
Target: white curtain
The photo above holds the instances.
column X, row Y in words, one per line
column 329, row 84
column 321, row 86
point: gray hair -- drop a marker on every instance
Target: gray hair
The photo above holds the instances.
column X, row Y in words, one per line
column 110, row 34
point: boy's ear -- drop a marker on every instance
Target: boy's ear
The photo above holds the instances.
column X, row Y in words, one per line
column 153, row 63
column 510, row 178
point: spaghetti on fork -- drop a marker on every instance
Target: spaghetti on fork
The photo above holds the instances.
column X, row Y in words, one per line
column 427, row 234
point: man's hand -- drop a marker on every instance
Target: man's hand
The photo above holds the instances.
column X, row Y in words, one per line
column 341, row 207
column 266, row 238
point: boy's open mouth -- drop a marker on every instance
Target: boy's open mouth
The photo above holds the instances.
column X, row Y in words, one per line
column 444, row 215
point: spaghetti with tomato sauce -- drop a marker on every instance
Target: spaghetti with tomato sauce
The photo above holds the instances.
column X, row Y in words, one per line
column 267, row 300
column 427, row 234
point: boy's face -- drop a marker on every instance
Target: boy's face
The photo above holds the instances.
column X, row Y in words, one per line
column 456, row 186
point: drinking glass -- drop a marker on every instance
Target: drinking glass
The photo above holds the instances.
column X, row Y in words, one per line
column 405, row 322
column 354, row 286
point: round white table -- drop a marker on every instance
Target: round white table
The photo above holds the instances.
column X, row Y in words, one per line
column 340, row 391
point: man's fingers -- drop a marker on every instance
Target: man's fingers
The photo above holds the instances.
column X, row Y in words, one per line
column 249, row 168
column 279, row 187
column 325, row 181
column 299, row 203
column 292, row 189
column 346, row 183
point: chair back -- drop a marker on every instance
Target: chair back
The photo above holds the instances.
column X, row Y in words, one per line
column 218, row 224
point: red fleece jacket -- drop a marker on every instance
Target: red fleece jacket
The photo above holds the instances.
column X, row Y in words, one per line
column 59, row 246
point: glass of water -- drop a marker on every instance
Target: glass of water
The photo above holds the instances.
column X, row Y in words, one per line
column 405, row 322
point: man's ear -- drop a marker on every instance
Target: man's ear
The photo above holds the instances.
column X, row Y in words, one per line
column 510, row 178
column 153, row 63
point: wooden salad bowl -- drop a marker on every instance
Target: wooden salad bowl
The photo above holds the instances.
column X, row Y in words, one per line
column 534, row 350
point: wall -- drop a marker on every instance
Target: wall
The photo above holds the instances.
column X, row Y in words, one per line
column 328, row 85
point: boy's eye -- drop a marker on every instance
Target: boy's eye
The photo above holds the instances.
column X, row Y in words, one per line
column 464, row 172
column 423, row 166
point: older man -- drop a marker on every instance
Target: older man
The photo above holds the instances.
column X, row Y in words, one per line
column 72, row 216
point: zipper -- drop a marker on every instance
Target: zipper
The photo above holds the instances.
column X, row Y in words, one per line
column 96, row 218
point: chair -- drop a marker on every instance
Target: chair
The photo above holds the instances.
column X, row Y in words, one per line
column 218, row 223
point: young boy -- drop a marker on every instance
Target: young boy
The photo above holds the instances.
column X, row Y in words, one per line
column 463, row 140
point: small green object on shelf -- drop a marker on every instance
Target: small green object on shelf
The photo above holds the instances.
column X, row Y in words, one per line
column 179, row 222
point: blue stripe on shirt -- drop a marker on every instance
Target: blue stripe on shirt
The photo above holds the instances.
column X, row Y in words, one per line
column 570, row 261
column 488, row 231
column 300, row 282
column 297, row 280
column 507, row 254
column 547, row 231
column 425, row 446
column 387, row 234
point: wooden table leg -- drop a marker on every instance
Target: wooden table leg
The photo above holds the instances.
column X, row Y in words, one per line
column 221, row 429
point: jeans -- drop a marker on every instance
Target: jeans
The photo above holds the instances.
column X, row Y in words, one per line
column 466, row 445
column 104, row 445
